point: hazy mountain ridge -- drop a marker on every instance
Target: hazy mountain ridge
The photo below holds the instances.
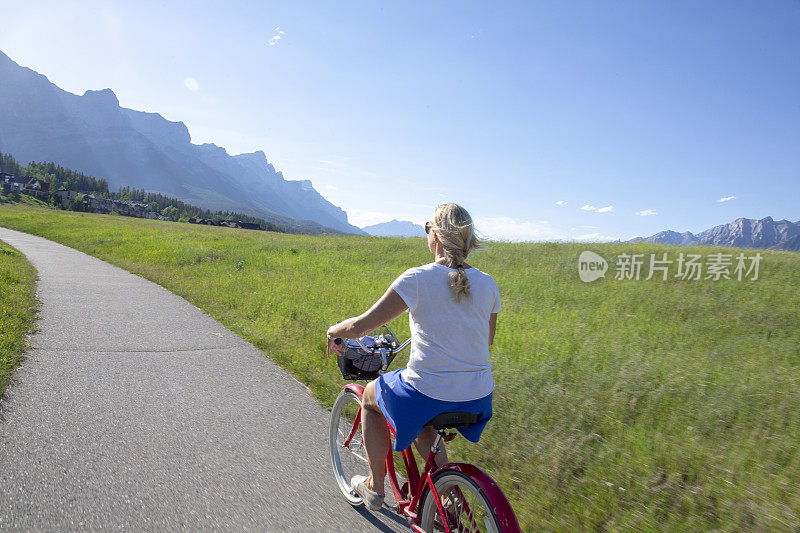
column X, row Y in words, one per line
column 94, row 135
column 742, row 232
column 395, row 228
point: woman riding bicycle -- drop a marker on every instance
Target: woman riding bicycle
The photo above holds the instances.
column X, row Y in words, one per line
column 452, row 315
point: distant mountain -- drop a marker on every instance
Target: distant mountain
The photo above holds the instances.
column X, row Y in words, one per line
column 94, row 135
column 395, row 228
column 742, row 233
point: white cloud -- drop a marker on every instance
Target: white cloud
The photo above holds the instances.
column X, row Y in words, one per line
column 646, row 212
column 508, row 229
column 726, row 199
column 277, row 37
column 331, row 188
column 191, row 84
column 561, row 202
column 595, row 237
column 606, row 209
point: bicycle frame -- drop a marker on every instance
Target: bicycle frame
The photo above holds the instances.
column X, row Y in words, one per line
column 409, row 494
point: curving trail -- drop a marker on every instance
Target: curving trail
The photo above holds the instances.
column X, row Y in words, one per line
column 135, row 410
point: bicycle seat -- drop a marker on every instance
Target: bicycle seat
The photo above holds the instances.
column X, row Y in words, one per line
column 452, row 420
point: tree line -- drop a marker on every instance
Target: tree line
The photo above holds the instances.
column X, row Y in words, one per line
column 58, row 177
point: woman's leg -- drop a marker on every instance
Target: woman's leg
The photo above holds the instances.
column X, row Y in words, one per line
column 424, row 442
column 376, row 439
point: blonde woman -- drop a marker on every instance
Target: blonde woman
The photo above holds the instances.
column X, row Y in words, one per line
column 452, row 313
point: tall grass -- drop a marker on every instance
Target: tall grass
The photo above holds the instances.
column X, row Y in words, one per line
column 649, row 405
column 17, row 309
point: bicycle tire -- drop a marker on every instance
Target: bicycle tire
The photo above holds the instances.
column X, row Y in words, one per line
column 466, row 506
column 350, row 460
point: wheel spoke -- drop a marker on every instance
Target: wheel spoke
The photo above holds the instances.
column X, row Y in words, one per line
column 465, row 507
column 350, row 459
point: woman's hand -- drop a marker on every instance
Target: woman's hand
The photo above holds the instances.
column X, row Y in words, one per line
column 332, row 346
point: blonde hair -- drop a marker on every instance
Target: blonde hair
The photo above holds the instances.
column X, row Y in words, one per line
column 453, row 226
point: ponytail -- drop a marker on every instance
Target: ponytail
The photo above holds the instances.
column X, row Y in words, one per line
column 459, row 283
column 454, row 227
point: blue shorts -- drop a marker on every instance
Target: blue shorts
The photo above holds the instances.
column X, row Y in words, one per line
column 408, row 410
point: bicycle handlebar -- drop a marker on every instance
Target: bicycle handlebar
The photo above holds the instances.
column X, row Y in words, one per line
column 387, row 355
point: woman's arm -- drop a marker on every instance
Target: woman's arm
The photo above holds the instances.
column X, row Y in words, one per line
column 492, row 327
column 389, row 307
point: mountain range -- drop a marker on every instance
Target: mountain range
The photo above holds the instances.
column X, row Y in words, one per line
column 742, row 233
column 93, row 134
column 395, row 228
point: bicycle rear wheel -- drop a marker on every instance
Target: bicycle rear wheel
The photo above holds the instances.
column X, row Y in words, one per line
column 466, row 508
column 347, row 452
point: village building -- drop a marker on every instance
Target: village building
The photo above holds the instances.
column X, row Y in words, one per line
column 12, row 183
column 65, row 197
column 37, row 187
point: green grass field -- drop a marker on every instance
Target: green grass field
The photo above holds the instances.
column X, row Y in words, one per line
column 17, row 309
column 619, row 404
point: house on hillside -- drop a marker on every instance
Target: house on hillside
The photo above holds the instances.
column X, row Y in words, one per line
column 204, row 221
column 129, row 209
column 239, row 224
column 98, row 204
column 138, row 209
column 65, row 197
column 31, row 186
column 37, row 187
column 11, row 183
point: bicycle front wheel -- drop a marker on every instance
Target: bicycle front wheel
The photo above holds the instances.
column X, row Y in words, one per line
column 465, row 506
column 347, row 452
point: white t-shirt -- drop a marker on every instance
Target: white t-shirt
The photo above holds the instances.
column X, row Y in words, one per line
column 450, row 340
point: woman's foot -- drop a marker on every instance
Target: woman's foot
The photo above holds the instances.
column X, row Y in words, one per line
column 372, row 500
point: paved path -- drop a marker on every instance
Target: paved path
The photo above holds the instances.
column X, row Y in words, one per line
column 135, row 410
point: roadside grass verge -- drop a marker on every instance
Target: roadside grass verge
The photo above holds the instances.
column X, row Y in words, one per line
column 619, row 404
column 17, row 310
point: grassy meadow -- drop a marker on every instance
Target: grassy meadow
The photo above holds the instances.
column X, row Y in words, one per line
column 619, row 404
column 17, row 309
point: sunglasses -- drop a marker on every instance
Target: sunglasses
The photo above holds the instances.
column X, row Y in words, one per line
column 428, row 227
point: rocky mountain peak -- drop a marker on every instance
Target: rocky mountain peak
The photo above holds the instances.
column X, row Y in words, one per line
column 395, row 228
column 258, row 155
column 211, row 147
column 742, row 232
column 105, row 97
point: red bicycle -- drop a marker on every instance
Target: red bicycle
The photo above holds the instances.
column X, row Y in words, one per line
column 455, row 497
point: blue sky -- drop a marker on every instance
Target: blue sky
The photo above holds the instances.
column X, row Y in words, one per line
column 527, row 113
